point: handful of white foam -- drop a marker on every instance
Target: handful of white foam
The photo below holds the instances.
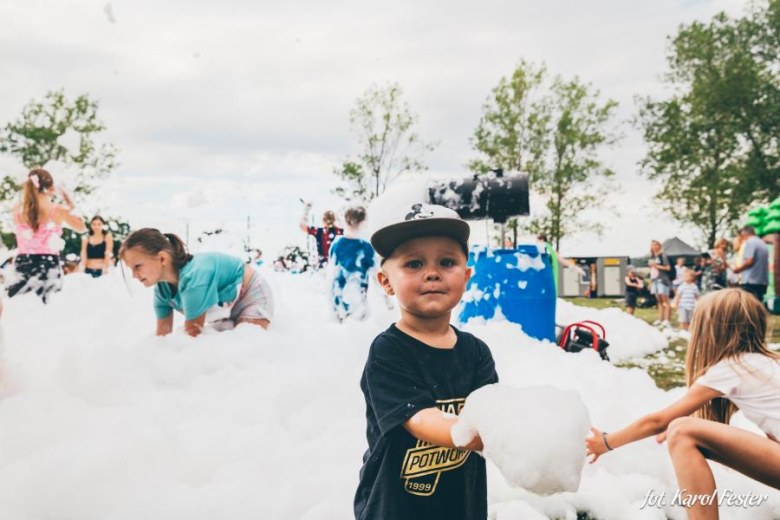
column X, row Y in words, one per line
column 535, row 435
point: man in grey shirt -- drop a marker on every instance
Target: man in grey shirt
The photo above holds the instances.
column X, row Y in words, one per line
column 755, row 264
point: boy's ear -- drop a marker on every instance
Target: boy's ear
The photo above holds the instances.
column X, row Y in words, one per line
column 384, row 282
column 468, row 274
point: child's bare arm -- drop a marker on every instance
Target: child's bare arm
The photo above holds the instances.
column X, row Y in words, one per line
column 303, row 224
column 433, row 426
column 83, row 263
column 165, row 325
column 195, row 327
column 109, row 252
column 74, row 222
column 651, row 424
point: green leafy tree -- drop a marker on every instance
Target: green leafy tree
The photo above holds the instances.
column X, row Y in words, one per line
column 9, row 188
column 513, row 132
column 695, row 156
column 35, row 139
column 390, row 147
column 757, row 102
column 714, row 143
column 356, row 182
column 553, row 130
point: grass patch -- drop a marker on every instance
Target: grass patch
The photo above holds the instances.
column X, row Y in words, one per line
column 667, row 367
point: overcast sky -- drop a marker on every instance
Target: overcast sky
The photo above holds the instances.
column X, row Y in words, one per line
column 224, row 110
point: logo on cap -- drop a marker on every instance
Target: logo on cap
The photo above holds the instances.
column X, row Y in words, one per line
column 419, row 212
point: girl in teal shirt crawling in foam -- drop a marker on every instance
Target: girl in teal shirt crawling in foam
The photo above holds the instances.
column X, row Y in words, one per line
column 205, row 287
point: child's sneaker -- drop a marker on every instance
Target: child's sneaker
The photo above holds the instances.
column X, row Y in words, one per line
column 656, row 323
column 666, row 323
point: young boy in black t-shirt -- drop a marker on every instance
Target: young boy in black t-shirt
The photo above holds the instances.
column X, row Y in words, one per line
column 418, row 375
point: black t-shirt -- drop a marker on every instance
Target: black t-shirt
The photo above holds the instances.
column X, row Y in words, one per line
column 402, row 477
column 698, row 269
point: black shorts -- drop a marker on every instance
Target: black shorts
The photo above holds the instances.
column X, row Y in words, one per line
column 40, row 274
column 631, row 299
column 94, row 273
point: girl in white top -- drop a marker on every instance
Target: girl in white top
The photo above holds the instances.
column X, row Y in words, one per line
column 728, row 367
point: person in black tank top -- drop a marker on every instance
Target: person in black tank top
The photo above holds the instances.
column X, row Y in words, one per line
column 96, row 248
column 633, row 286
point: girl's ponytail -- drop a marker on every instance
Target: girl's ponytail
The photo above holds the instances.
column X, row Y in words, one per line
column 180, row 254
column 30, row 204
column 38, row 181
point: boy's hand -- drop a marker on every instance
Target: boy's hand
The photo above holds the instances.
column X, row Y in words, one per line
column 595, row 445
column 475, row 444
column 660, row 438
column 434, row 426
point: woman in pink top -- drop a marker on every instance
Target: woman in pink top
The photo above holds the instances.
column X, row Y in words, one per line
column 38, row 225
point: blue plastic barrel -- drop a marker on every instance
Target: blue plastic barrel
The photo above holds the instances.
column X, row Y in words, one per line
column 517, row 283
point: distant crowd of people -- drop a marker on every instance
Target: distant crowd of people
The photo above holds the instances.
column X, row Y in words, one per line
column 679, row 285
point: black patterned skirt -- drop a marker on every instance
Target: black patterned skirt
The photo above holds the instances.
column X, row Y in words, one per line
column 40, row 274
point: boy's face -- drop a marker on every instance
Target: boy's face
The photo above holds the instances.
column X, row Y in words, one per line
column 427, row 275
